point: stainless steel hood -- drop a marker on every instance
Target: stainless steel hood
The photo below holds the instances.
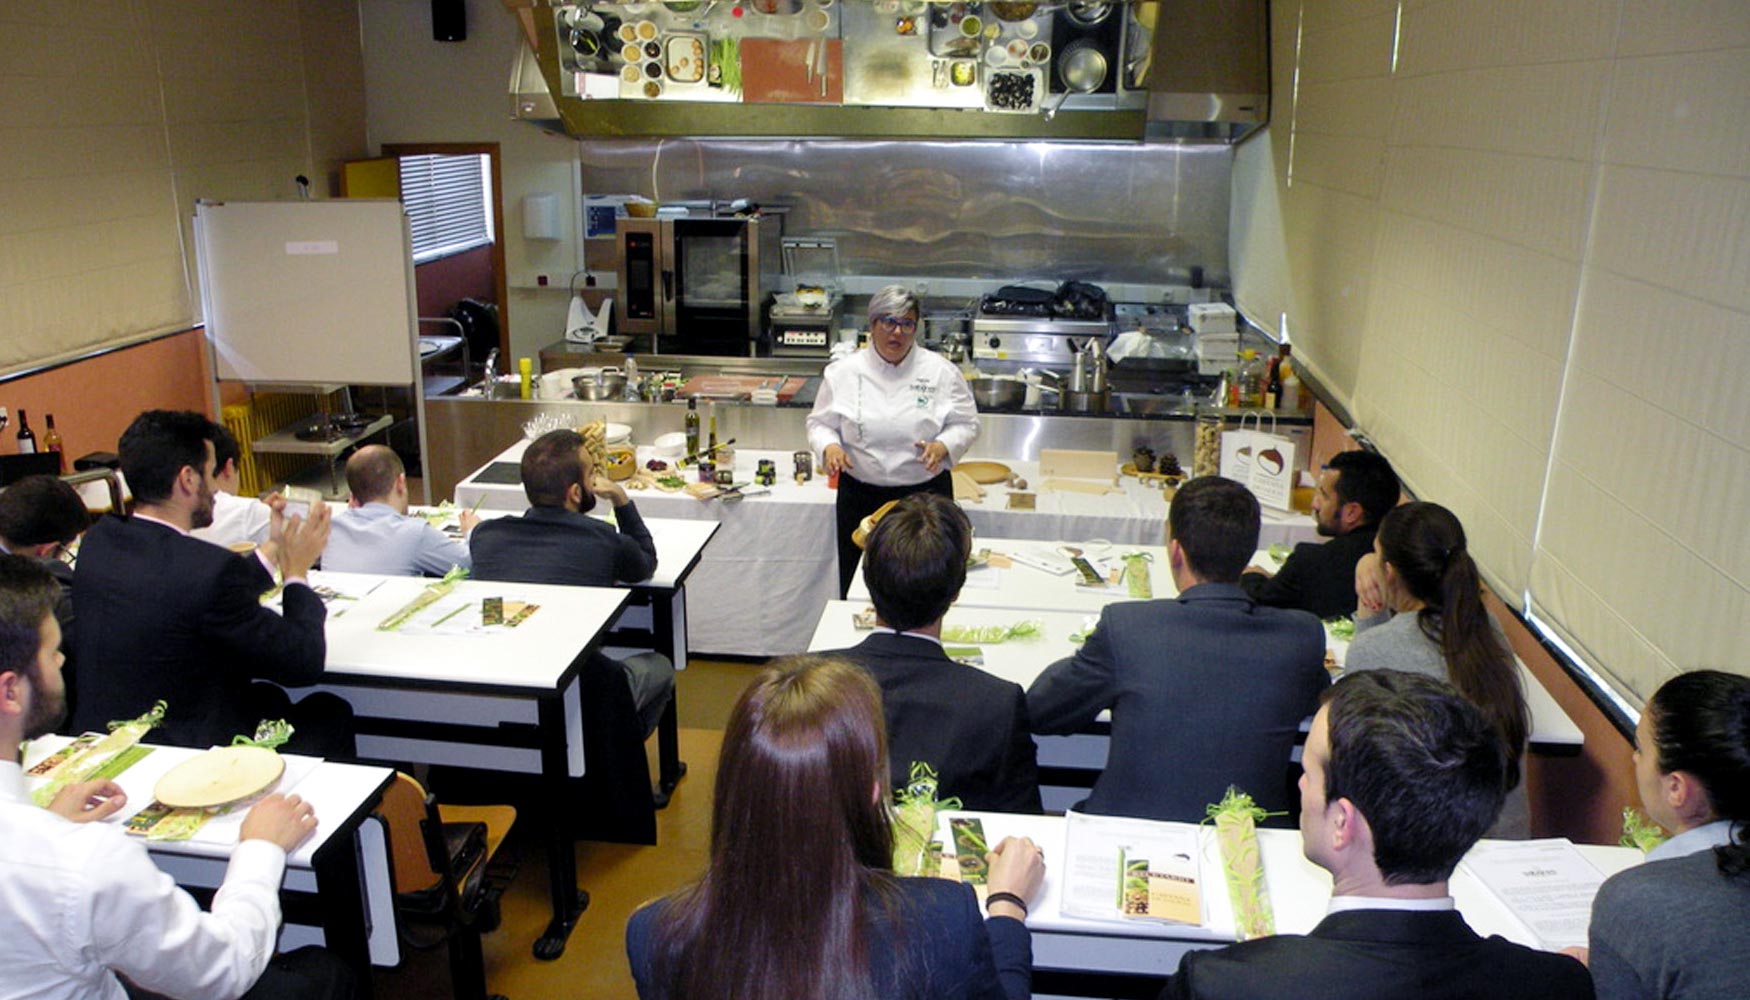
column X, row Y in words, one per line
column 1211, row 76
column 530, row 100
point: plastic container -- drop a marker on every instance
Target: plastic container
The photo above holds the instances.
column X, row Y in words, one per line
column 1253, row 371
column 1206, row 460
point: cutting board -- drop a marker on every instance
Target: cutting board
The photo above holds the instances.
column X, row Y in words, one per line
column 777, row 72
column 739, row 386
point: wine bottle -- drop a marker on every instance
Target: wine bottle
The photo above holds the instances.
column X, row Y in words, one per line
column 692, row 424
column 52, row 440
column 26, row 438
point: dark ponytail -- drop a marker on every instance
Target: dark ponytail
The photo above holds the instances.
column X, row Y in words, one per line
column 1425, row 545
column 1701, row 726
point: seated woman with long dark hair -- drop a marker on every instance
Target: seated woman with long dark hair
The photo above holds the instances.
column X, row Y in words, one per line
column 800, row 899
column 1420, row 609
column 1675, row 927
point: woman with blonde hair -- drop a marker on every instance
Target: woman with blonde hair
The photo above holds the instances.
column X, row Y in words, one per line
column 800, row 899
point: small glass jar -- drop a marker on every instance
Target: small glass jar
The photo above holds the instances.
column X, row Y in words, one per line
column 766, row 473
column 804, row 460
column 707, row 471
column 725, row 477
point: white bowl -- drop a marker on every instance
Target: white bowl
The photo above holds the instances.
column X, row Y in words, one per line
column 617, row 434
column 671, row 445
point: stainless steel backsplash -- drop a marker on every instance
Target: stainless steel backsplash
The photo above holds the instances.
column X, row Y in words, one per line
column 1009, row 211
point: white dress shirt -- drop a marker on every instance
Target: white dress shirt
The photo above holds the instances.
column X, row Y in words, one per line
column 81, row 902
column 1432, row 904
column 878, row 412
column 376, row 538
column 236, row 520
column 1702, row 838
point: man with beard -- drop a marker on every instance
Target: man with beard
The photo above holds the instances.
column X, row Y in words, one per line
column 81, row 903
column 1356, row 489
column 166, row 616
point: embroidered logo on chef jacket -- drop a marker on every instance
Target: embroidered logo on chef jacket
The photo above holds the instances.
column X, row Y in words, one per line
column 926, row 392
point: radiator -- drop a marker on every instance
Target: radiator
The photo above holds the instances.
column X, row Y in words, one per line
column 265, row 413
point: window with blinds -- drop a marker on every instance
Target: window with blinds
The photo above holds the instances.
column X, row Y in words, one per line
column 448, row 206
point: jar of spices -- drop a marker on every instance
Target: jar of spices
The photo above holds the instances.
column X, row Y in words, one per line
column 725, row 477
column 707, row 471
column 804, row 460
column 767, row 472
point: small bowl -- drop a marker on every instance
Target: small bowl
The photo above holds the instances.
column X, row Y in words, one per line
column 671, row 445
column 647, row 31
column 632, row 52
column 1017, row 49
column 640, row 209
column 628, row 32
column 1040, row 52
column 971, row 26
column 1027, row 29
column 631, row 73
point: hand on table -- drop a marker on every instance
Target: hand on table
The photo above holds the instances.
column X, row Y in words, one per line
column 834, row 459
column 613, row 492
column 286, row 820
column 1017, row 866
column 1369, row 587
column 89, row 801
column 933, row 454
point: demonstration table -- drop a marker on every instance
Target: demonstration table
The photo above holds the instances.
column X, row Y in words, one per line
column 759, row 588
column 337, row 882
column 1299, row 894
column 505, row 701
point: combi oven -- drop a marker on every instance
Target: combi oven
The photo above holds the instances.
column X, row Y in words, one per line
column 696, row 285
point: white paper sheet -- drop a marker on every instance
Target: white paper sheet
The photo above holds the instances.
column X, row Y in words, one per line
column 1547, row 884
column 1094, row 847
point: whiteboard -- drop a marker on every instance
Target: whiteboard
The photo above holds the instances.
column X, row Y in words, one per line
column 317, row 292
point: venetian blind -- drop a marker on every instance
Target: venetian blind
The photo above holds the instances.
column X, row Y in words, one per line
column 1554, row 294
column 446, row 203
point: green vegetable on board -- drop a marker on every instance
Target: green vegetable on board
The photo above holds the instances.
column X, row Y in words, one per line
column 1136, row 577
column 1278, row 553
column 269, row 734
column 123, row 734
column 1341, row 628
column 914, row 820
column 985, row 635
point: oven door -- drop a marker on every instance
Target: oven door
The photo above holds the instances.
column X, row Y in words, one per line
column 715, row 309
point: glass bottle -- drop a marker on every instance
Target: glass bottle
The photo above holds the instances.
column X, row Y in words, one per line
column 692, row 424
column 52, row 440
column 26, row 437
column 1206, row 458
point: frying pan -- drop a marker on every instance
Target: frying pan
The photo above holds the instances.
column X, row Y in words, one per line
column 1082, row 68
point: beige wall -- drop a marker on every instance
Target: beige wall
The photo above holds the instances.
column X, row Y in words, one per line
column 111, row 128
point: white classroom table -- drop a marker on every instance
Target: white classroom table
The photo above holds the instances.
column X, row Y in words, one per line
column 1022, row 588
column 506, row 702
column 655, row 618
column 783, row 542
column 337, row 890
column 1299, row 893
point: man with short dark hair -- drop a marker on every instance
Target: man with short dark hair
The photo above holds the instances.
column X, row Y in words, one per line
column 1403, row 775
column 557, row 542
column 1206, row 689
column 375, row 534
column 1355, row 490
column 81, row 902
column 166, row 616
column 40, row 516
column 237, row 520
column 970, row 726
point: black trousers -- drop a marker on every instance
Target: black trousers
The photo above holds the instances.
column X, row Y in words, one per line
column 858, row 500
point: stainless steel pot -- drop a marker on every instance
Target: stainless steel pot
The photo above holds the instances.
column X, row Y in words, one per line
column 998, row 393
column 599, row 386
column 1082, row 68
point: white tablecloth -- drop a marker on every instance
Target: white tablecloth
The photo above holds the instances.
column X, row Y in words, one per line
column 761, row 585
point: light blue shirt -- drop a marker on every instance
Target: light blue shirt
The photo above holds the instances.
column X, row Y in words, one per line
column 376, row 538
column 1702, row 838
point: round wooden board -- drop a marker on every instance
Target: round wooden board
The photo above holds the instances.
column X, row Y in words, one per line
column 219, row 777
column 985, row 473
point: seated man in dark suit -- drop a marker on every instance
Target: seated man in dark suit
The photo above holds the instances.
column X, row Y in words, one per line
column 163, row 615
column 1356, row 489
column 967, row 724
column 39, row 517
column 1206, row 689
column 557, row 542
column 1402, row 776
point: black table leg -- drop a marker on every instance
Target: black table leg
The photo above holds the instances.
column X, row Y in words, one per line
column 340, row 884
column 569, row 901
column 670, row 768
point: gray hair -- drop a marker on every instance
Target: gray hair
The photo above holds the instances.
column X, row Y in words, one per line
column 894, row 300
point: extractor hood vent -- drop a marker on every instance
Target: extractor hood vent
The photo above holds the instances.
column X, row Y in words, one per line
column 530, row 99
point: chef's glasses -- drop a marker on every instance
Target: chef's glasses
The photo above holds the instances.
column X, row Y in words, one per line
column 897, row 324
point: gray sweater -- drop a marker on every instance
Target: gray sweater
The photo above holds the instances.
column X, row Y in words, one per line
column 1672, row 930
column 1396, row 642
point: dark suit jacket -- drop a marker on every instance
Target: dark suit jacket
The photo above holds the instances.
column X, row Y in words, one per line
column 1317, row 576
column 1380, row 955
column 967, row 724
column 947, row 954
column 558, row 546
column 163, row 615
column 1206, row 690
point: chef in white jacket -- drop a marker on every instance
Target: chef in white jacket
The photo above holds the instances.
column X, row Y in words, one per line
column 891, row 420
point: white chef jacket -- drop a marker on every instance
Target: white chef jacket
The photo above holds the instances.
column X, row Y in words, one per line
column 878, row 412
column 236, row 519
column 78, row 900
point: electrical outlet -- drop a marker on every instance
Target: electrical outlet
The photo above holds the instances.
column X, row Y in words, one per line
column 540, row 281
